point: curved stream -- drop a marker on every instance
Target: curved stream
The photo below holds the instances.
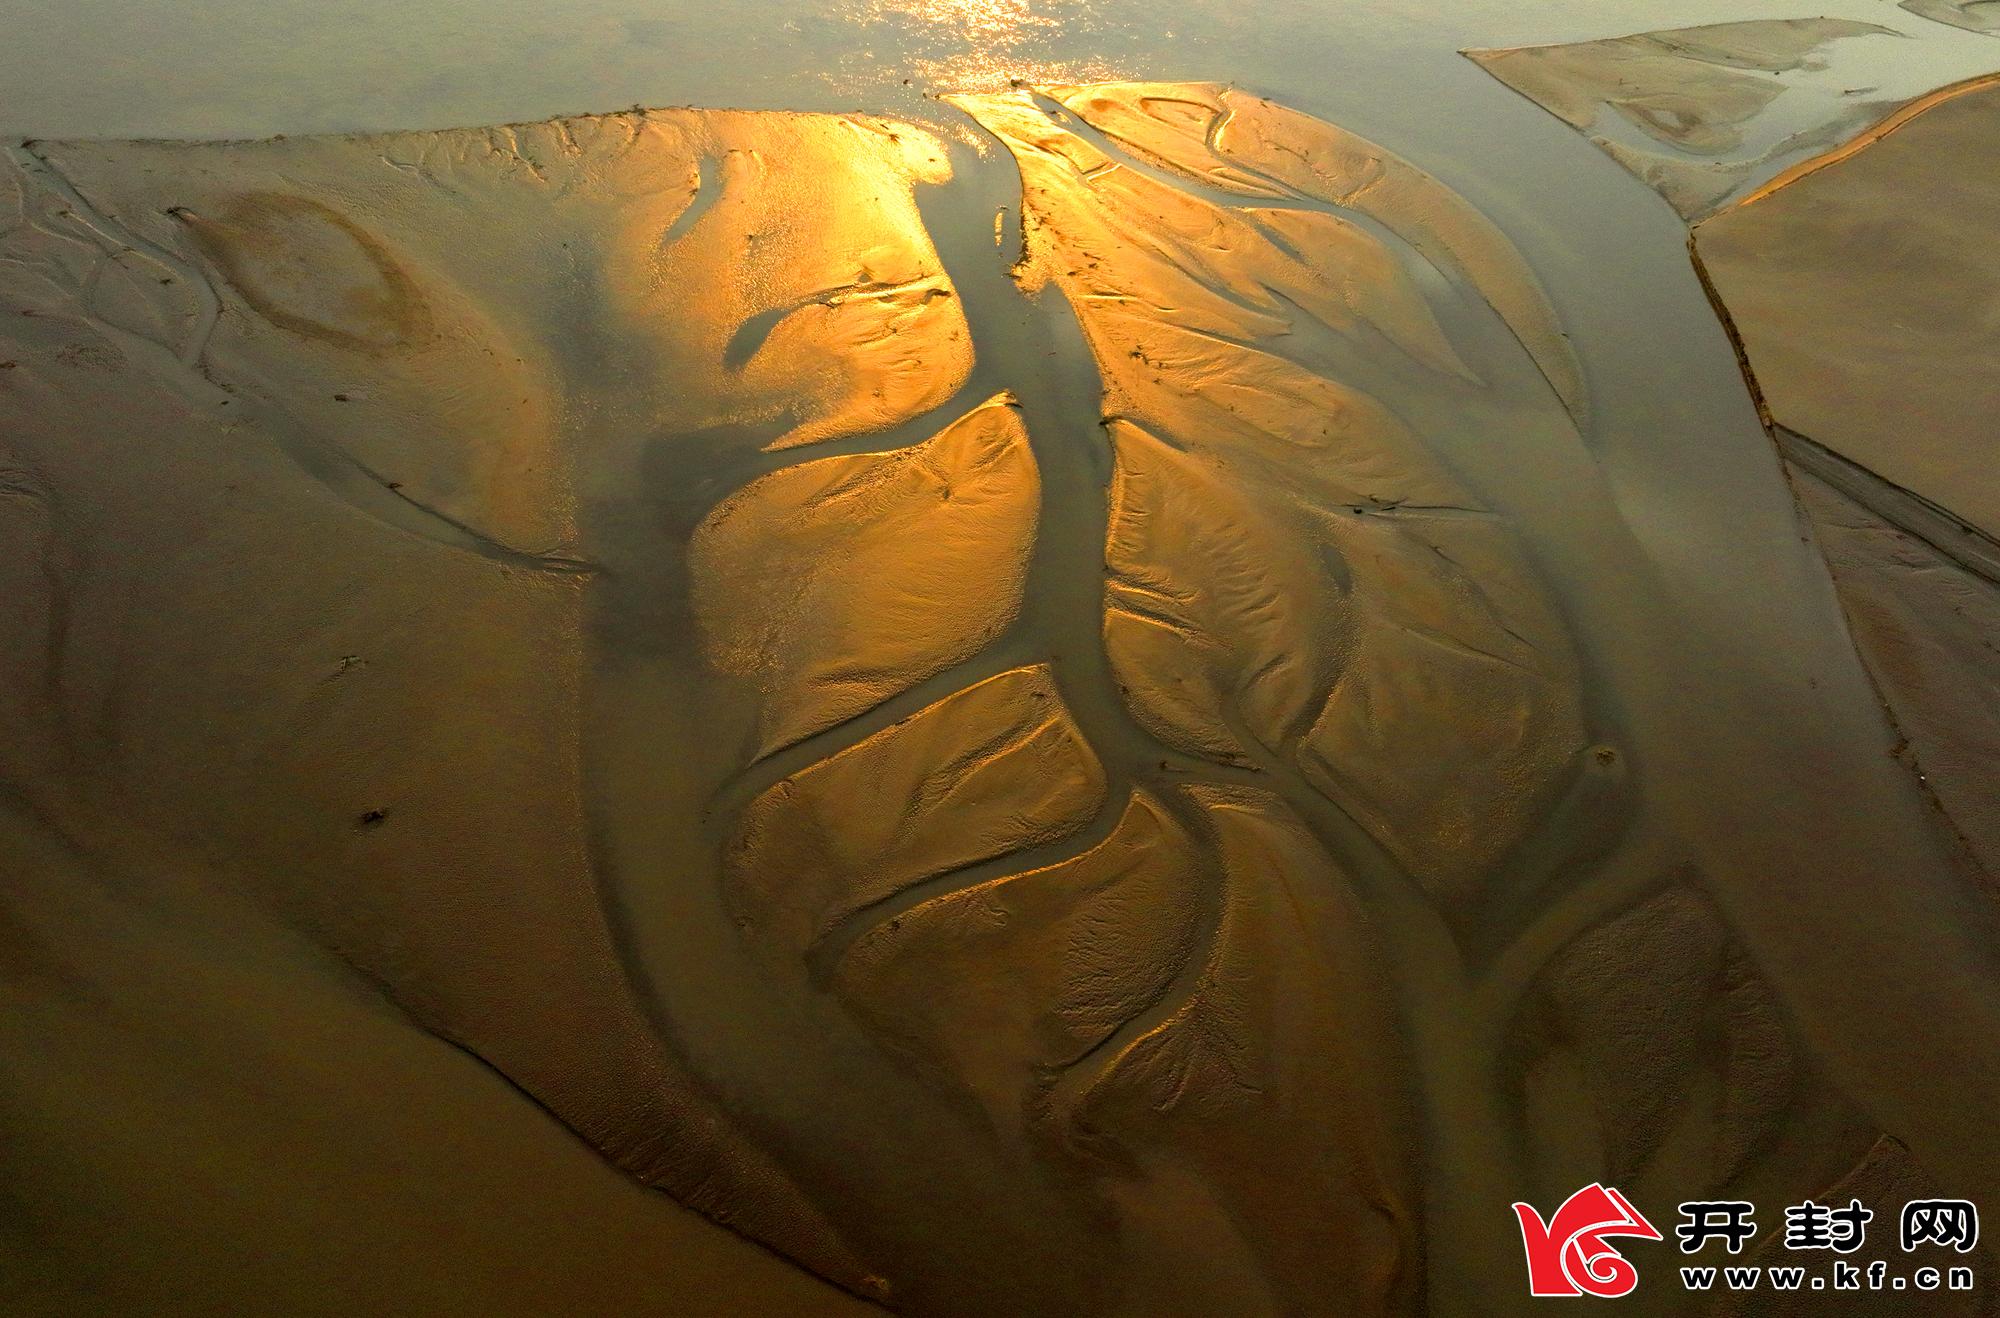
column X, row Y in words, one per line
column 1749, row 746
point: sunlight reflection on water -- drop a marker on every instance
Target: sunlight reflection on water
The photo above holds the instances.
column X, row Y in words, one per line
column 251, row 68
column 974, row 45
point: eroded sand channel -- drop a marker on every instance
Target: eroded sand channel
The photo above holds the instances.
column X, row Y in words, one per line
column 1169, row 759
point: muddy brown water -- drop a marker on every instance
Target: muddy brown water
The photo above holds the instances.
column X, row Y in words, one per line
column 1743, row 744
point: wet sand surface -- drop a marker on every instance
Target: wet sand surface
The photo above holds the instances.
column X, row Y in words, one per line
column 1972, row 15
column 1696, row 112
column 1866, row 328
column 1111, row 696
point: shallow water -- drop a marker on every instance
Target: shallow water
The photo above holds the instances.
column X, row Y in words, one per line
column 1712, row 650
column 119, row 69
column 1603, row 245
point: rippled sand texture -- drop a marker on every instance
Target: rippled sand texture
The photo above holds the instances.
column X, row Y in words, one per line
column 1026, row 786
column 1693, row 111
column 1291, row 575
column 295, row 438
column 1861, row 286
column 1856, row 285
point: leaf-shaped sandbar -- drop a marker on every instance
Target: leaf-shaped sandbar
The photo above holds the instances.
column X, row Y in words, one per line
column 997, row 768
column 1001, row 985
column 1271, row 1082
column 1253, row 146
column 1293, row 576
column 839, row 583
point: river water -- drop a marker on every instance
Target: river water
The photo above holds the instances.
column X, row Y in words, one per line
column 1712, row 640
